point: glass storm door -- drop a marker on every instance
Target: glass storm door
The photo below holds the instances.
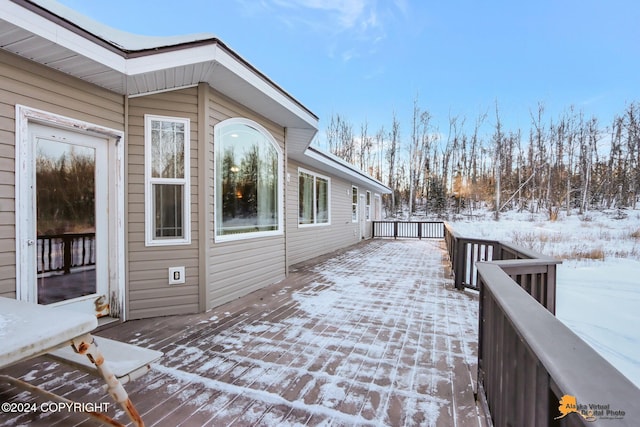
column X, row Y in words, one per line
column 69, row 245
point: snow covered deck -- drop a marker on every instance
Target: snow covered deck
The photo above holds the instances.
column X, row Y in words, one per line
column 375, row 335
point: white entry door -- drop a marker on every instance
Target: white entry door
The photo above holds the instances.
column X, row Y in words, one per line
column 362, row 216
column 65, row 244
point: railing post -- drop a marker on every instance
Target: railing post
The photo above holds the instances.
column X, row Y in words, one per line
column 419, row 224
column 550, row 289
column 66, row 248
column 49, row 258
column 395, row 229
column 461, row 258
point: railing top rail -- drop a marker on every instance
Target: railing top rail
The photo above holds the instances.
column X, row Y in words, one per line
column 513, row 263
column 479, row 240
column 523, row 252
column 63, row 235
column 408, row 222
column 519, row 250
column 527, row 253
column 449, row 228
column 564, row 355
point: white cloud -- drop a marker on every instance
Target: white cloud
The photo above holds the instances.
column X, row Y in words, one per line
column 352, row 27
column 347, row 12
column 347, row 55
column 331, row 16
column 402, row 6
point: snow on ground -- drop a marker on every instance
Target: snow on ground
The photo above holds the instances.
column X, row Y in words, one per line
column 598, row 287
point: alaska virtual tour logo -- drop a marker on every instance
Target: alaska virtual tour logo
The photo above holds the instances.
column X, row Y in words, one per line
column 590, row 411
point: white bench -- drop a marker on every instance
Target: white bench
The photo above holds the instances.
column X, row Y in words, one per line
column 127, row 361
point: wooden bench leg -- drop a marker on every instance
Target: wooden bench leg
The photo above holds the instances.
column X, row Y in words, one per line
column 87, row 346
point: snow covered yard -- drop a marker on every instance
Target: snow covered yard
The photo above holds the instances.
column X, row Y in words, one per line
column 598, row 283
column 374, row 336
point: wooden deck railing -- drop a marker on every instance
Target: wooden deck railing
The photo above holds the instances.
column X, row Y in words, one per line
column 536, row 273
column 62, row 252
column 409, row 229
column 527, row 359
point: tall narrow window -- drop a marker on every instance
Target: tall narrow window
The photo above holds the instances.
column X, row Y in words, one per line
column 368, row 206
column 313, row 198
column 322, row 200
column 247, row 171
column 167, row 180
column 354, row 204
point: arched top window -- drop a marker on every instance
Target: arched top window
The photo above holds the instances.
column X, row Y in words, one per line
column 248, row 170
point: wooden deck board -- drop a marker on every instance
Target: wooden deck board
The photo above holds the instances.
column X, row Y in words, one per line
column 375, row 335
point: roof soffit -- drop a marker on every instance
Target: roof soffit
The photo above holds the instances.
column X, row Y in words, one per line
column 36, row 35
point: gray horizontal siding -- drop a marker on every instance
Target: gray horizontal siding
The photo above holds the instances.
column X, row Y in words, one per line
column 304, row 243
column 239, row 267
column 30, row 84
column 149, row 292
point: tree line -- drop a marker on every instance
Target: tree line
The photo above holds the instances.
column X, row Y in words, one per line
column 568, row 162
column 65, row 193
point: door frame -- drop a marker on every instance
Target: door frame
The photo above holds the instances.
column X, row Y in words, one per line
column 115, row 220
column 362, row 220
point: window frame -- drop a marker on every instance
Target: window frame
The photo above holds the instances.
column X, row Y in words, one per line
column 315, row 176
column 150, row 181
column 367, row 206
column 354, row 205
column 219, row 145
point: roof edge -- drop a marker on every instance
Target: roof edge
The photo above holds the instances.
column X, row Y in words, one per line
column 337, row 162
column 112, row 39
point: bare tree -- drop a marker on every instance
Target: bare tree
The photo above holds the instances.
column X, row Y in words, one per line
column 497, row 139
column 537, row 155
column 427, row 139
column 379, row 150
column 364, row 155
column 340, row 138
column 392, row 151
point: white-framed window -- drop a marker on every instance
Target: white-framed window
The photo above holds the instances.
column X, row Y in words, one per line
column 167, row 180
column 313, row 198
column 368, row 206
column 354, row 204
column 248, row 171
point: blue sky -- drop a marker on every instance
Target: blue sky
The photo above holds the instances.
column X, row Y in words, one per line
column 365, row 59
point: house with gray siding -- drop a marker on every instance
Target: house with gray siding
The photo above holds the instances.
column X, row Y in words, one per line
column 145, row 176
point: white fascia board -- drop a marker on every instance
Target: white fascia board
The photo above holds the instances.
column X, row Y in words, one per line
column 176, row 58
column 357, row 177
column 255, row 80
column 39, row 26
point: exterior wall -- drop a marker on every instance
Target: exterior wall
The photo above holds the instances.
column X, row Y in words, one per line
column 215, row 272
column 149, row 292
column 304, row 243
column 30, row 84
column 239, row 267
